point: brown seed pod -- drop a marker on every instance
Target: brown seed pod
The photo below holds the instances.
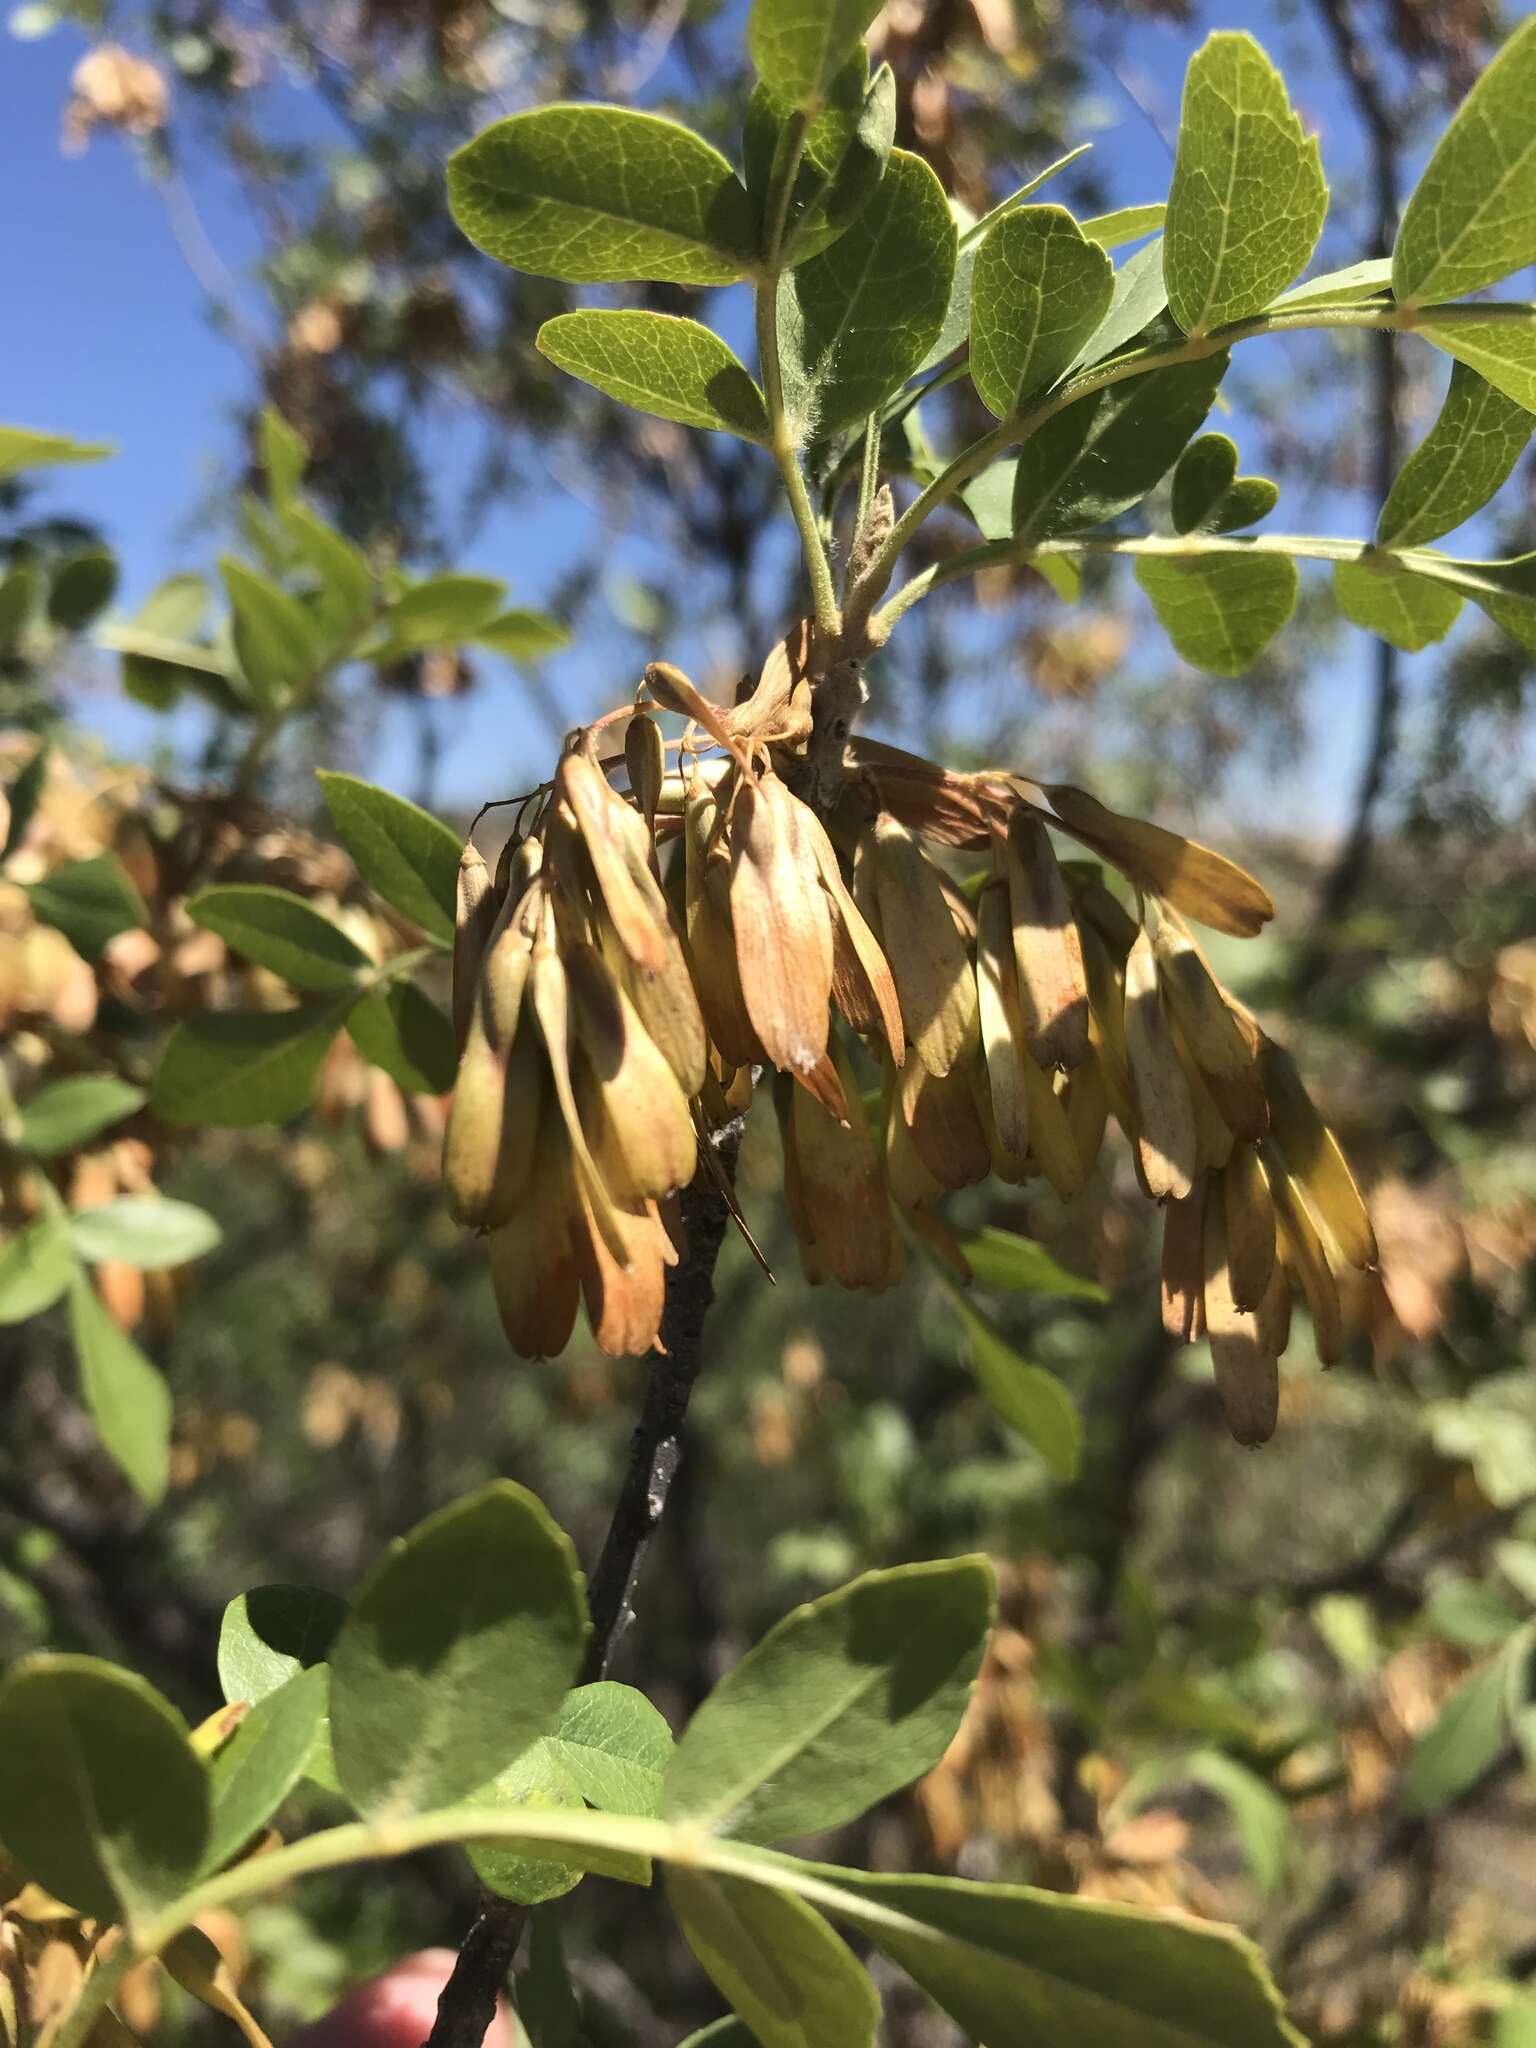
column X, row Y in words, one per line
column 474, row 921
column 782, row 924
column 1314, row 1157
column 842, row 1195
column 1048, row 953
column 995, row 1011
column 1204, row 885
column 1250, row 1222
column 928, row 959
column 1166, row 1132
column 645, row 757
column 1247, row 1371
column 1183, row 1267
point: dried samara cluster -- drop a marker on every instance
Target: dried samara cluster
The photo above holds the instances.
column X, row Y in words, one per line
column 646, row 952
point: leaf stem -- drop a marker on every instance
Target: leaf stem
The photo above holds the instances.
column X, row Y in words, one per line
column 859, row 609
column 781, row 439
column 97, row 1992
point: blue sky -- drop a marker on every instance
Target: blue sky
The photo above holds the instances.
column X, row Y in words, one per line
column 107, row 336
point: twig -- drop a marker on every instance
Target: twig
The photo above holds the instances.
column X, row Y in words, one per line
column 468, row 2002
column 1381, row 125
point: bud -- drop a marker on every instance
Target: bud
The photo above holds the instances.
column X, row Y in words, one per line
column 474, row 918
column 1166, row 1133
column 1183, row 1267
column 533, row 1262
column 927, row 955
column 619, row 848
column 1048, row 953
column 1312, row 1154
column 624, row 1296
column 842, row 1197
column 1306, row 1262
column 1247, row 1372
column 645, row 756
column 1250, row 1223
column 782, row 925
column 1204, row 885
column 1223, row 1045
column 642, row 1134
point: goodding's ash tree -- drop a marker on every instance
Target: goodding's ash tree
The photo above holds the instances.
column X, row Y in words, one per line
column 940, row 976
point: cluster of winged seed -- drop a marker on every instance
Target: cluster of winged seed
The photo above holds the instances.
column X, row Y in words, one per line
column 643, row 955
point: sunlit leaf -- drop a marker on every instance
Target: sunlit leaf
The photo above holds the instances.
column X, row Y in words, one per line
column 1464, row 459
column 400, row 850
column 658, row 364
column 1220, row 610
column 1039, row 290
column 1409, row 611
column 65, row 1114
column 276, row 929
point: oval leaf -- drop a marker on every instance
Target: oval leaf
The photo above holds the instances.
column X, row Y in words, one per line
column 403, row 1031
column 1039, row 290
column 1409, row 611
column 1464, row 458
column 65, row 1114
column 279, row 930
column 36, row 1265
column 245, row 1066
column 1471, row 219
column 148, row 1231
column 1220, row 610
column 101, row 1796
column 1030, row 1399
column 799, row 46
column 597, row 194
column 409, row 856
column 129, row 1401
column 262, row 1762
column 659, row 364
column 844, row 1701
column 456, row 1654
column 1248, row 196
column 776, row 1961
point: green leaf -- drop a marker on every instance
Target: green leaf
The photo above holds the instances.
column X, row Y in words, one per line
column 457, row 1652
column 22, row 448
column 158, row 667
column 89, row 901
column 1505, row 590
column 1463, row 460
column 598, row 195
column 284, row 456
column 775, row 1960
column 1248, row 196
column 1011, row 1264
column 847, row 147
column 523, row 635
column 1208, row 494
column 441, row 611
column 401, row 851
column 1139, row 296
column 856, row 321
column 244, row 1067
column 277, row 929
column 1471, row 219
column 1465, row 1738
column 1125, row 224
column 845, row 1701
column 403, row 1031
column 536, row 1778
column 1039, row 291
column 1030, row 1399
column 1102, row 455
column 956, row 327
column 1407, row 610
column 22, row 798
column 726, row 2033
column 1202, row 477
column 1261, row 1817
column 1220, row 611
column 1008, row 1963
column 81, row 586
column 263, row 1760
column 101, row 1795
column 343, row 602
column 148, row 1231
column 129, row 1401
column 1346, row 287
column 37, row 1263
column 274, row 641
column 614, row 1746
column 271, row 1633
column 62, row 1115
column 546, row 1998
column 1498, row 347
column 658, row 364
column 799, row 46
column 21, row 590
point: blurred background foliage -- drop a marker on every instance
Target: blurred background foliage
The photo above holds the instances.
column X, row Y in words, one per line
column 1290, row 1688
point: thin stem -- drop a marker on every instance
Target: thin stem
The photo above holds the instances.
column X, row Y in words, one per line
column 97, row 1993
column 869, row 473
column 781, row 440
column 1304, row 547
column 467, row 2004
column 1010, row 433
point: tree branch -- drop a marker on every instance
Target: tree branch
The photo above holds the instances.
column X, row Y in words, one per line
column 468, row 2002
